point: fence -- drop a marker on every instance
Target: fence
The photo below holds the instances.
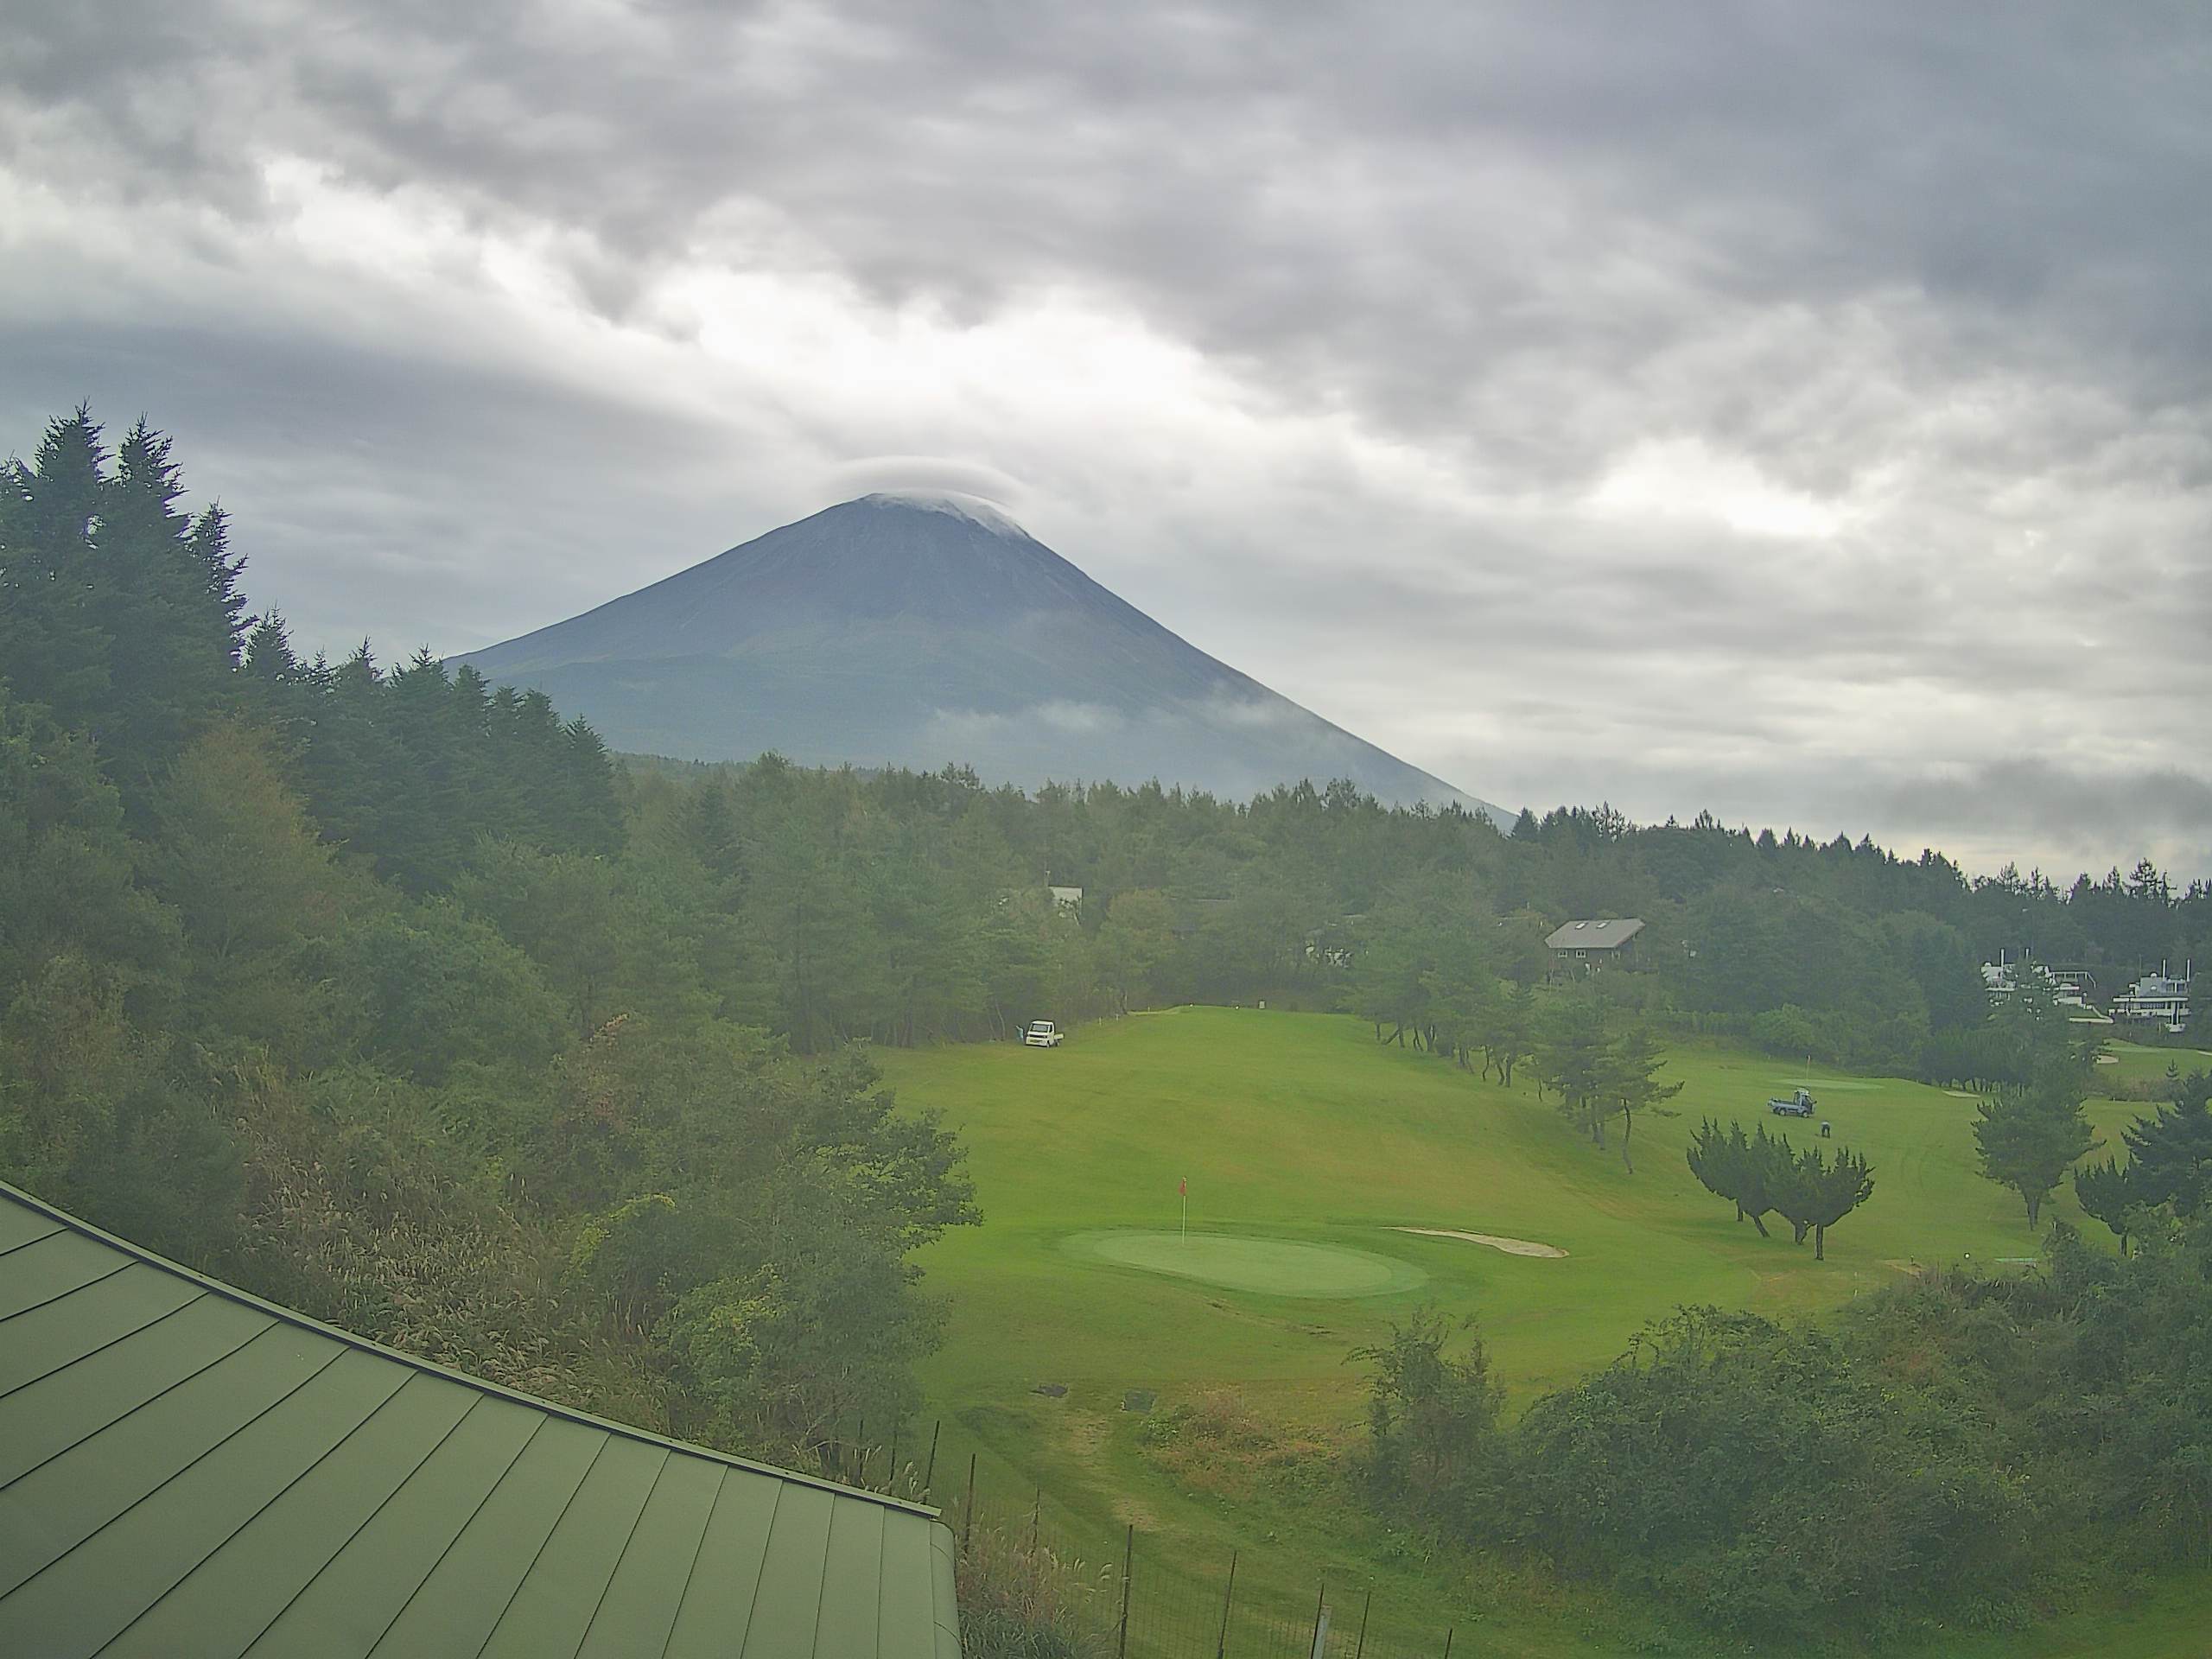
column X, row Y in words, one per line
column 1031, row 1583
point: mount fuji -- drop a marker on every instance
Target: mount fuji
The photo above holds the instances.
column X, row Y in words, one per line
column 915, row 630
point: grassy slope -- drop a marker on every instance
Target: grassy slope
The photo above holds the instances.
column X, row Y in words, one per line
column 1300, row 1127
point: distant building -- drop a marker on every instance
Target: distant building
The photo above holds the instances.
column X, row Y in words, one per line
column 2068, row 988
column 1586, row 946
column 1067, row 898
column 2155, row 999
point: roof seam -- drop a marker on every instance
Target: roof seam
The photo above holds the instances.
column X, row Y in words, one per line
column 691, row 1572
column 141, row 1405
column 25, row 1243
column 528, row 1441
column 620, row 1555
column 760, row 1569
column 538, row 1555
column 480, row 1385
column 179, row 1473
column 321, row 1457
column 59, row 1295
column 399, row 1486
column 121, row 1336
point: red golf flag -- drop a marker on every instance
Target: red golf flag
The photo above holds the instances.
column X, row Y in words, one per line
column 1183, row 1188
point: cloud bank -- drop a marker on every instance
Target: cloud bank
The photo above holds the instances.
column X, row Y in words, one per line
column 1802, row 409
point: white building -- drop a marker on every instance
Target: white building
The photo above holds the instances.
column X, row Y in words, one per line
column 2155, row 999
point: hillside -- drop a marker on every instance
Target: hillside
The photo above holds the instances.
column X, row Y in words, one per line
column 917, row 630
column 1300, row 1128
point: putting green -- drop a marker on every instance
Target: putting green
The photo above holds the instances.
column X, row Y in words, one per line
column 1273, row 1267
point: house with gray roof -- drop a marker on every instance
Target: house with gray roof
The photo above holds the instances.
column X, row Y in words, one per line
column 1584, row 947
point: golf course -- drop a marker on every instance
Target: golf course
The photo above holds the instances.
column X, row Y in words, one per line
column 1334, row 1186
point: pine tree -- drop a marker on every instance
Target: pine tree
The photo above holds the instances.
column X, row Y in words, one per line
column 2027, row 1135
column 55, row 644
column 2108, row 1191
column 2170, row 1155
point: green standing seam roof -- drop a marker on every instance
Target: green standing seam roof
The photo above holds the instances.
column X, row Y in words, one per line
column 187, row 1472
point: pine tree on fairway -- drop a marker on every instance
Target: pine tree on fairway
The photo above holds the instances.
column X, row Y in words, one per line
column 1573, row 1056
column 2029, row 1136
column 1813, row 1192
column 1632, row 1083
column 2171, row 1155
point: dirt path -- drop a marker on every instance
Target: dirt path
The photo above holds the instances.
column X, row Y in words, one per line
column 1510, row 1246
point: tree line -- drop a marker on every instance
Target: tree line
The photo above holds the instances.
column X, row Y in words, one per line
column 368, row 990
column 1959, row 1451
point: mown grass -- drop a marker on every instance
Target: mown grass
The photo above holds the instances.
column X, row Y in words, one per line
column 1302, row 1126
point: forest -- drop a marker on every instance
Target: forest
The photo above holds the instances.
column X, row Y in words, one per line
column 393, row 996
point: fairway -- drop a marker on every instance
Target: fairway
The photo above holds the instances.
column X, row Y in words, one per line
column 1270, row 1267
column 1307, row 1146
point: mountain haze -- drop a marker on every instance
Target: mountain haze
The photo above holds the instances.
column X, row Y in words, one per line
column 914, row 630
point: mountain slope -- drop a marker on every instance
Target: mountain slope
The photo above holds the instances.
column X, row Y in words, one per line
column 915, row 630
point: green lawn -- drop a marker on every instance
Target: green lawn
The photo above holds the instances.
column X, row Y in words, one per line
column 1299, row 1129
column 2143, row 1063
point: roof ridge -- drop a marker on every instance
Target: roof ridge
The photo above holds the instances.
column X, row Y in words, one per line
column 351, row 1339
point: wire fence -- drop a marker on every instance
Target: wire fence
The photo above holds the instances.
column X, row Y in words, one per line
column 1036, row 1582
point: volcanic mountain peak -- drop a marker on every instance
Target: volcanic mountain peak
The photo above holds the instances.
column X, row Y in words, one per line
column 954, row 503
column 917, row 628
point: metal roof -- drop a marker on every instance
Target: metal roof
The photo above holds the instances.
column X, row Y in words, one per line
column 187, row 1470
column 1604, row 935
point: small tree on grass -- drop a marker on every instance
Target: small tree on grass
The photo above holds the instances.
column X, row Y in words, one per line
column 2171, row 1152
column 1511, row 1035
column 1745, row 1169
column 1761, row 1172
column 1630, row 1079
column 1815, row 1193
column 1574, row 1055
column 1712, row 1161
column 2029, row 1136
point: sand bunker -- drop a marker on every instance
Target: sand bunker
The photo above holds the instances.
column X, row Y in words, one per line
column 1510, row 1246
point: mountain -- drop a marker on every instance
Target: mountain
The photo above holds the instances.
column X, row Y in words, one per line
column 914, row 630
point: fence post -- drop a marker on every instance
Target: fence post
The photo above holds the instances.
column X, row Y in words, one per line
column 1221, row 1648
column 968, row 1514
column 859, row 1438
column 891, row 1474
column 929, row 1475
column 1365, row 1608
column 1129, row 1556
column 1320, row 1620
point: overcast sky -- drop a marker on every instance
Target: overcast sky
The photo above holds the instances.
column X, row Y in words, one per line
column 1799, row 409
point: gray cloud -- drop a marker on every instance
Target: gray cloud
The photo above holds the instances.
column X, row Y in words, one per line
column 1831, row 383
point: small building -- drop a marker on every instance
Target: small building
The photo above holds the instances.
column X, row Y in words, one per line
column 185, row 1469
column 2155, row 999
column 1066, row 898
column 1584, row 947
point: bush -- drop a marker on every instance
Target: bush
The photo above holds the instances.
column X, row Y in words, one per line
column 1021, row 1599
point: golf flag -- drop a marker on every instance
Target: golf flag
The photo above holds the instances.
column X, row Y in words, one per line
column 1183, row 1188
